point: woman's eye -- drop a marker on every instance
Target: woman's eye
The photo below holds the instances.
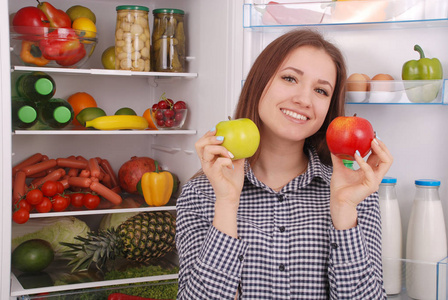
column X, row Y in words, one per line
column 322, row 91
column 289, row 78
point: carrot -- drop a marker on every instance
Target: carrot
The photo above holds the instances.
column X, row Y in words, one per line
column 71, row 163
column 72, row 172
column 94, row 168
column 39, row 167
column 55, row 176
column 105, row 192
column 108, row 169
column 19, row 187
column 84, row 173
column 80, row 182
column 32, row 160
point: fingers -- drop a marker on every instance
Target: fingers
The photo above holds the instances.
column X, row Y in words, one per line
column 378, row 163
column 208, row 148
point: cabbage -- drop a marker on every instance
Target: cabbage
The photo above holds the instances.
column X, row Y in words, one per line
column 54, row 230
column 114, row 220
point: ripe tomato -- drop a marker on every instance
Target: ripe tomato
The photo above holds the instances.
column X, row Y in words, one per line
column 34, row 197
column 21, row 216
column 60, row 203
column 45, row 206
column 91, row 201
column 60, row 187
column 24, row 204
column 50, row 188
column 76, row 199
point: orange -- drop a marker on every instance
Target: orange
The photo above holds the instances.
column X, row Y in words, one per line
column 79, row 101
column 147, row 116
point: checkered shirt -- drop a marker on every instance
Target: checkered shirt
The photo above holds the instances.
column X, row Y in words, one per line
column 287, row 246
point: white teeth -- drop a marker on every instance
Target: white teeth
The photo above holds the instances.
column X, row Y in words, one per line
column 294, row 115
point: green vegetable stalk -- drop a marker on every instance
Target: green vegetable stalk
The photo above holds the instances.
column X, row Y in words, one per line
column 422, row 70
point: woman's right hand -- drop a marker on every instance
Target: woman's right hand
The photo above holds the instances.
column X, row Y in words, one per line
column 225, row 175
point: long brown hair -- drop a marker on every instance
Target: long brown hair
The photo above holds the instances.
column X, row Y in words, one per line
column 267, row 64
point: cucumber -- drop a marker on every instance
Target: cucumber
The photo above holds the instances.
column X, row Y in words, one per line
column 32, row 256
column 88, row 114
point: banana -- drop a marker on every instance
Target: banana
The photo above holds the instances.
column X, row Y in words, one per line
column 117, row 122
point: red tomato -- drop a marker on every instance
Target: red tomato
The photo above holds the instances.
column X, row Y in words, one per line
column 50, row 188
column 21, row 216
column 44, row 206
column 24, row 204
column 77, row 199
column 34, row 197
column 60, row 203
column 60, row 187
column 91, row 201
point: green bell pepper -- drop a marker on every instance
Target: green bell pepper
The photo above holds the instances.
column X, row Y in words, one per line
column 422, row 69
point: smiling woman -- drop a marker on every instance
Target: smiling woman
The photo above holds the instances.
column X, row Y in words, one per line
column 290, row 222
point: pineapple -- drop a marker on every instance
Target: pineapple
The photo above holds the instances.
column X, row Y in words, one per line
column 140, row 238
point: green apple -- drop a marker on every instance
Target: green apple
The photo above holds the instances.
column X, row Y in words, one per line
column 108, row 58
column 241, row 137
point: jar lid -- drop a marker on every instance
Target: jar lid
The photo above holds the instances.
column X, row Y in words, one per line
column 389, row 180
column 132, row 7
column 168, row 11
column 427, row 182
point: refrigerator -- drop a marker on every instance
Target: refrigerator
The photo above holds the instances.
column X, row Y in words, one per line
column 223, row 40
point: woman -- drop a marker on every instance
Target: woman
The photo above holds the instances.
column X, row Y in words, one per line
column 291, row 222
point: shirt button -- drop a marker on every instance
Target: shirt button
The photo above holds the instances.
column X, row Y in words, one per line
column 334, row 245
column 281, row 198
column 241, row 257
column 282, row 228
column 281, row 267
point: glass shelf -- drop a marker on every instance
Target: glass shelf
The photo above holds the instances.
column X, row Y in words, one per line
column 105, row 132
column 378, row 13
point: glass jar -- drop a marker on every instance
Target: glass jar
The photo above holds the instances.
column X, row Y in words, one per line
column 168, row 40
column 132, row 38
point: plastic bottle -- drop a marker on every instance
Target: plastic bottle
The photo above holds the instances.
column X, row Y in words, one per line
column 426, row 243
column 24, row 113
column 36, row 86
column 391, row 236
column 55, row 113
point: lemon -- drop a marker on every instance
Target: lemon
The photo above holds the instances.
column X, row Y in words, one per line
column 126, row 111
column 108, row 58
column 78, row 11
column 86, row 26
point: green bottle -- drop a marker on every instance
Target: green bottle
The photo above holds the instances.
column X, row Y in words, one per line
column 36, row 86
column 55, row 113
column 23, row 113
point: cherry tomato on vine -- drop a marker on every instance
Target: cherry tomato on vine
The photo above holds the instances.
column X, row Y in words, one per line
column 45, row 206
column 91, row 201
column 22, row 203
column 21, row 216
column 50, row 188
column 34, row 196
column 60, row 203
column 60, row 187
column 77, row 199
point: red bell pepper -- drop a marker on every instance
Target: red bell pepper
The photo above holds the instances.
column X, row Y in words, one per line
column 60, row 44
column 74, row 59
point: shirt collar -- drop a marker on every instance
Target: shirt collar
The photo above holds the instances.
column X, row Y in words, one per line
column 316, row 169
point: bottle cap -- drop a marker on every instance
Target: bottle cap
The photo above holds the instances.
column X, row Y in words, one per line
column 348, row 163
column 132, row 7
column 427, row 182
column 168, row 11
column 62, row 114
column 389, row 180
column 43, row 86
column 27, row 114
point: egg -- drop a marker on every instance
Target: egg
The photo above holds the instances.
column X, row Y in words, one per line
column 383, row 86
column 358, row 82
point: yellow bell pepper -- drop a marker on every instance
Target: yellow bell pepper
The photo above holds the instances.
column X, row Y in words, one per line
column 157, row 187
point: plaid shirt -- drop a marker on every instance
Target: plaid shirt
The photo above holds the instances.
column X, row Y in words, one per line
column 288, row 247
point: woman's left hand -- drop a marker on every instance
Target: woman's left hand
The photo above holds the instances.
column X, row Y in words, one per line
column 348, row 188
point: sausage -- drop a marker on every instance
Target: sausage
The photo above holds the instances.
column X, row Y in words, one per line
column 37, row 175
column 94, row 168
column 19, row 186
column 84, row 173
column 39, row 167
column 73, row 172
column 106, row 193
column 32, row 160
column 55, row 176
column 106, row 181
column 65, row 183
column 71, row 163
column 80, row 182
column 116, row 189
column 79, row 157
column 108, row 169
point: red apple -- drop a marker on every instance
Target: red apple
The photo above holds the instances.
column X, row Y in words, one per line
column 345, row 135
column 30, row 20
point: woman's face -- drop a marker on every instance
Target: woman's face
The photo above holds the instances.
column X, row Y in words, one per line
column 296, row 100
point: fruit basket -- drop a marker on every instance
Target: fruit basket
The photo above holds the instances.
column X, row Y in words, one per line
column 51, row 47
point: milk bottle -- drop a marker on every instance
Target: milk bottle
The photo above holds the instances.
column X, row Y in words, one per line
column 391, row 236
column 426, row 243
